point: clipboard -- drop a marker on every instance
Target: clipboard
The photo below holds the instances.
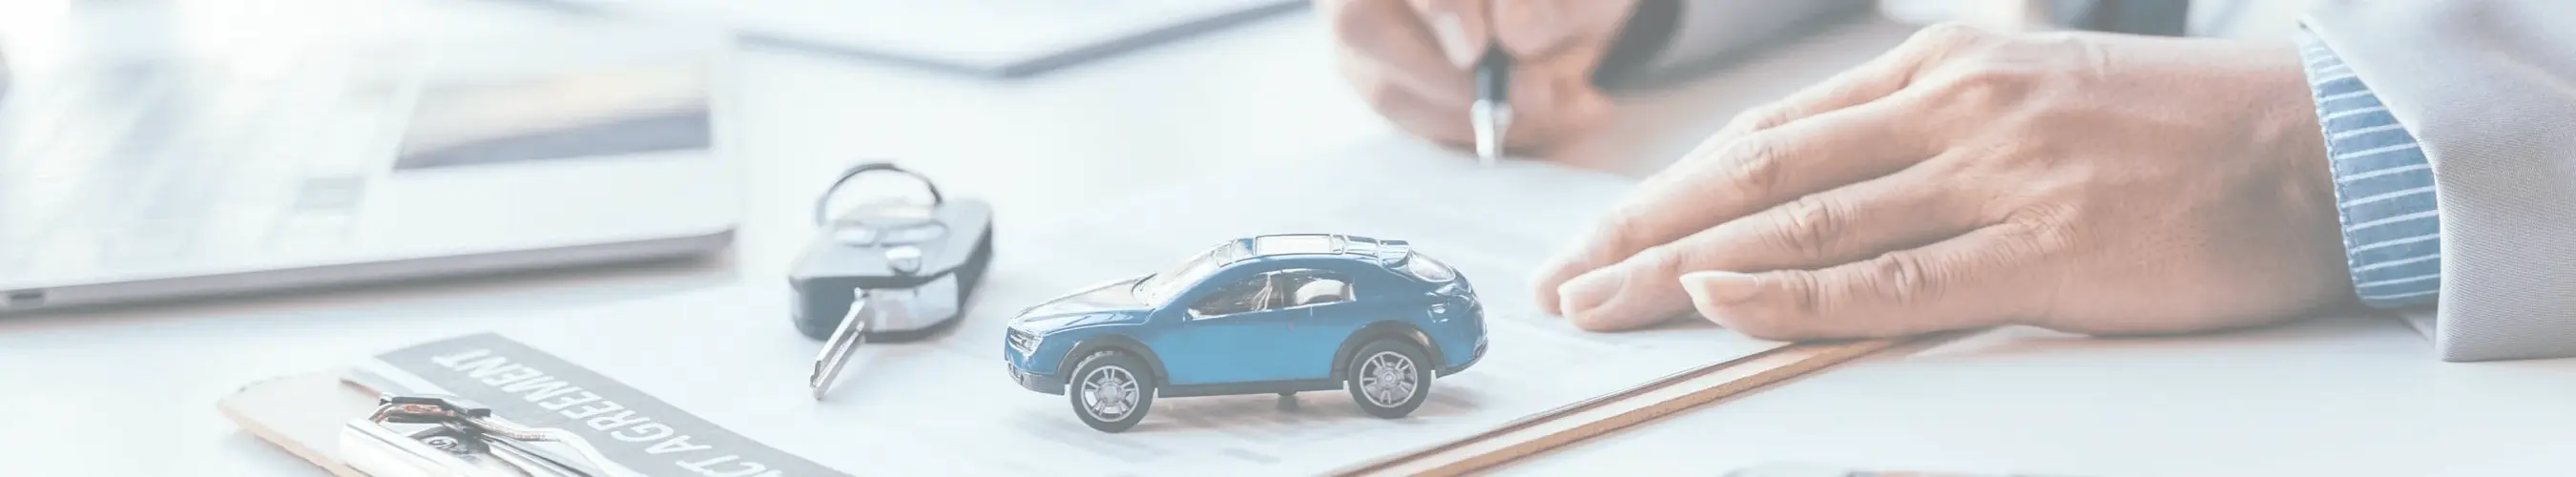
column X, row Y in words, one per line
column 1573, row 424
column 313, row 415
column 310, row 414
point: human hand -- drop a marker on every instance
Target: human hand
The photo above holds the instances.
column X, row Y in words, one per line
column 2080, row 182
column 1413, row 61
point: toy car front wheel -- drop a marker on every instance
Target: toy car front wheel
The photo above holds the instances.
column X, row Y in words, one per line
column 1389, row 377
column 1111, row 391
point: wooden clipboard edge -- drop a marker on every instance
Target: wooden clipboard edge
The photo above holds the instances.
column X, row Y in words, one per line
column 293, row 412
column 296, row 413
column 1567, row 425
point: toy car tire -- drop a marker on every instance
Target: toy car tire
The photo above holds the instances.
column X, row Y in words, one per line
column 1110, row 390
column 1388, row 377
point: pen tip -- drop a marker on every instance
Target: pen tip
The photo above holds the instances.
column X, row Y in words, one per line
column 1490, row 121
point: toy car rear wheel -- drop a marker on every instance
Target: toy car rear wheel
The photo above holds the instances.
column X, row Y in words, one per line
column 1389, row 377
column 1111, row 390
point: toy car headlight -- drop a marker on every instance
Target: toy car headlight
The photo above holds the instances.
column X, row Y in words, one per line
column 1452, row 288
column 1428, row 270
column 1025, row 341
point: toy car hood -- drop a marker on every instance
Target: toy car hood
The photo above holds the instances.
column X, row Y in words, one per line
column 1113, row 301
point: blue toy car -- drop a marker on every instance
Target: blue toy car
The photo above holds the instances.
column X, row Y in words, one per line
column 1269, row 314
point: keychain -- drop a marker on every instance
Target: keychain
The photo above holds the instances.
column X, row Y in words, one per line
column 451, row 436
column 886, row 271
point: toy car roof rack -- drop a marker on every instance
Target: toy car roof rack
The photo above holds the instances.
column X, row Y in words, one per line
column 1388, row 251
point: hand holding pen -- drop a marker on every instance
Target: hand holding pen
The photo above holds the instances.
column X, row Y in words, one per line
column 1427, row 65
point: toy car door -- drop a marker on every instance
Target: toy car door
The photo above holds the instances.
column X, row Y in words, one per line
column 1327, row 313
column 1230, row 334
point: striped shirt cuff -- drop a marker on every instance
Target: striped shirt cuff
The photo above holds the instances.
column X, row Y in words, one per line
column 2383, row 187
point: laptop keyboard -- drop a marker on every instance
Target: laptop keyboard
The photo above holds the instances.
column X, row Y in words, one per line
column 152, row 164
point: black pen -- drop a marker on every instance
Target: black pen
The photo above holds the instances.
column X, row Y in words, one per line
column 1491, row 115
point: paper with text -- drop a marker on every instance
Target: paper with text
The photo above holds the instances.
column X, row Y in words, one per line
column 947, row 406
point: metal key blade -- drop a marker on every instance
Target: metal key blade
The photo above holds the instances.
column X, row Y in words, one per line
column 844, row 343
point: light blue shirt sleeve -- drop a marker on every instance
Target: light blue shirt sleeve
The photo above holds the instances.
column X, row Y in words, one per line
column 2384, row 192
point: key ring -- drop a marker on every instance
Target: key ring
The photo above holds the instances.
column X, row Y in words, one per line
column 823, row 205
column 478, row 421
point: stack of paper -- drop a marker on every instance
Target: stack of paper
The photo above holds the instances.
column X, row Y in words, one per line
column 725, row 372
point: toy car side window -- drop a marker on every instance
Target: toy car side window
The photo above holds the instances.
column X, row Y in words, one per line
column 1244, row 296
column 1309, row 287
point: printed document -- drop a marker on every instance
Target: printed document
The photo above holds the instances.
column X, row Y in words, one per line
column 713, row 382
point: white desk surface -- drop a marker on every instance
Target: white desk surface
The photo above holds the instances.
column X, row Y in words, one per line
column 131, row 391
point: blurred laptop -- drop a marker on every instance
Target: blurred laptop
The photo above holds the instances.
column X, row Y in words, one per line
column 1002, row 38
column 245, row 150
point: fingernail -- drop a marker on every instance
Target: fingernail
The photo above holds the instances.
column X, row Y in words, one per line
column 1592, row 291
column 1451, row 32
column 1720, row 288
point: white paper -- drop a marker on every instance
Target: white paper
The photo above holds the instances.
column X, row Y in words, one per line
column 947, row 406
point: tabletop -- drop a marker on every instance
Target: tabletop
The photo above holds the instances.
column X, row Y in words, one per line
column 83, row 392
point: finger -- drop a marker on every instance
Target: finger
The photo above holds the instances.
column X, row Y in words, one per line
column 1965, row 282
column 1459, row 27
column 1897, row 212
column 1860, row 86
column 1554, row 99
column 1873, row 80
column 1393, row 42
column 1877, row 78
column 1757, row 172
column 1574, row 108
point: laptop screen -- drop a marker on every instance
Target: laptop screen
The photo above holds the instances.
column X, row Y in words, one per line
column 620, row 111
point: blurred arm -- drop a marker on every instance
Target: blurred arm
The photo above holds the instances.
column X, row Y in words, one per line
column 1674, row 39
column 2486, row 91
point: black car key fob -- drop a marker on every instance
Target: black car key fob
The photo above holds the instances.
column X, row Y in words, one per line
column 888, row 270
